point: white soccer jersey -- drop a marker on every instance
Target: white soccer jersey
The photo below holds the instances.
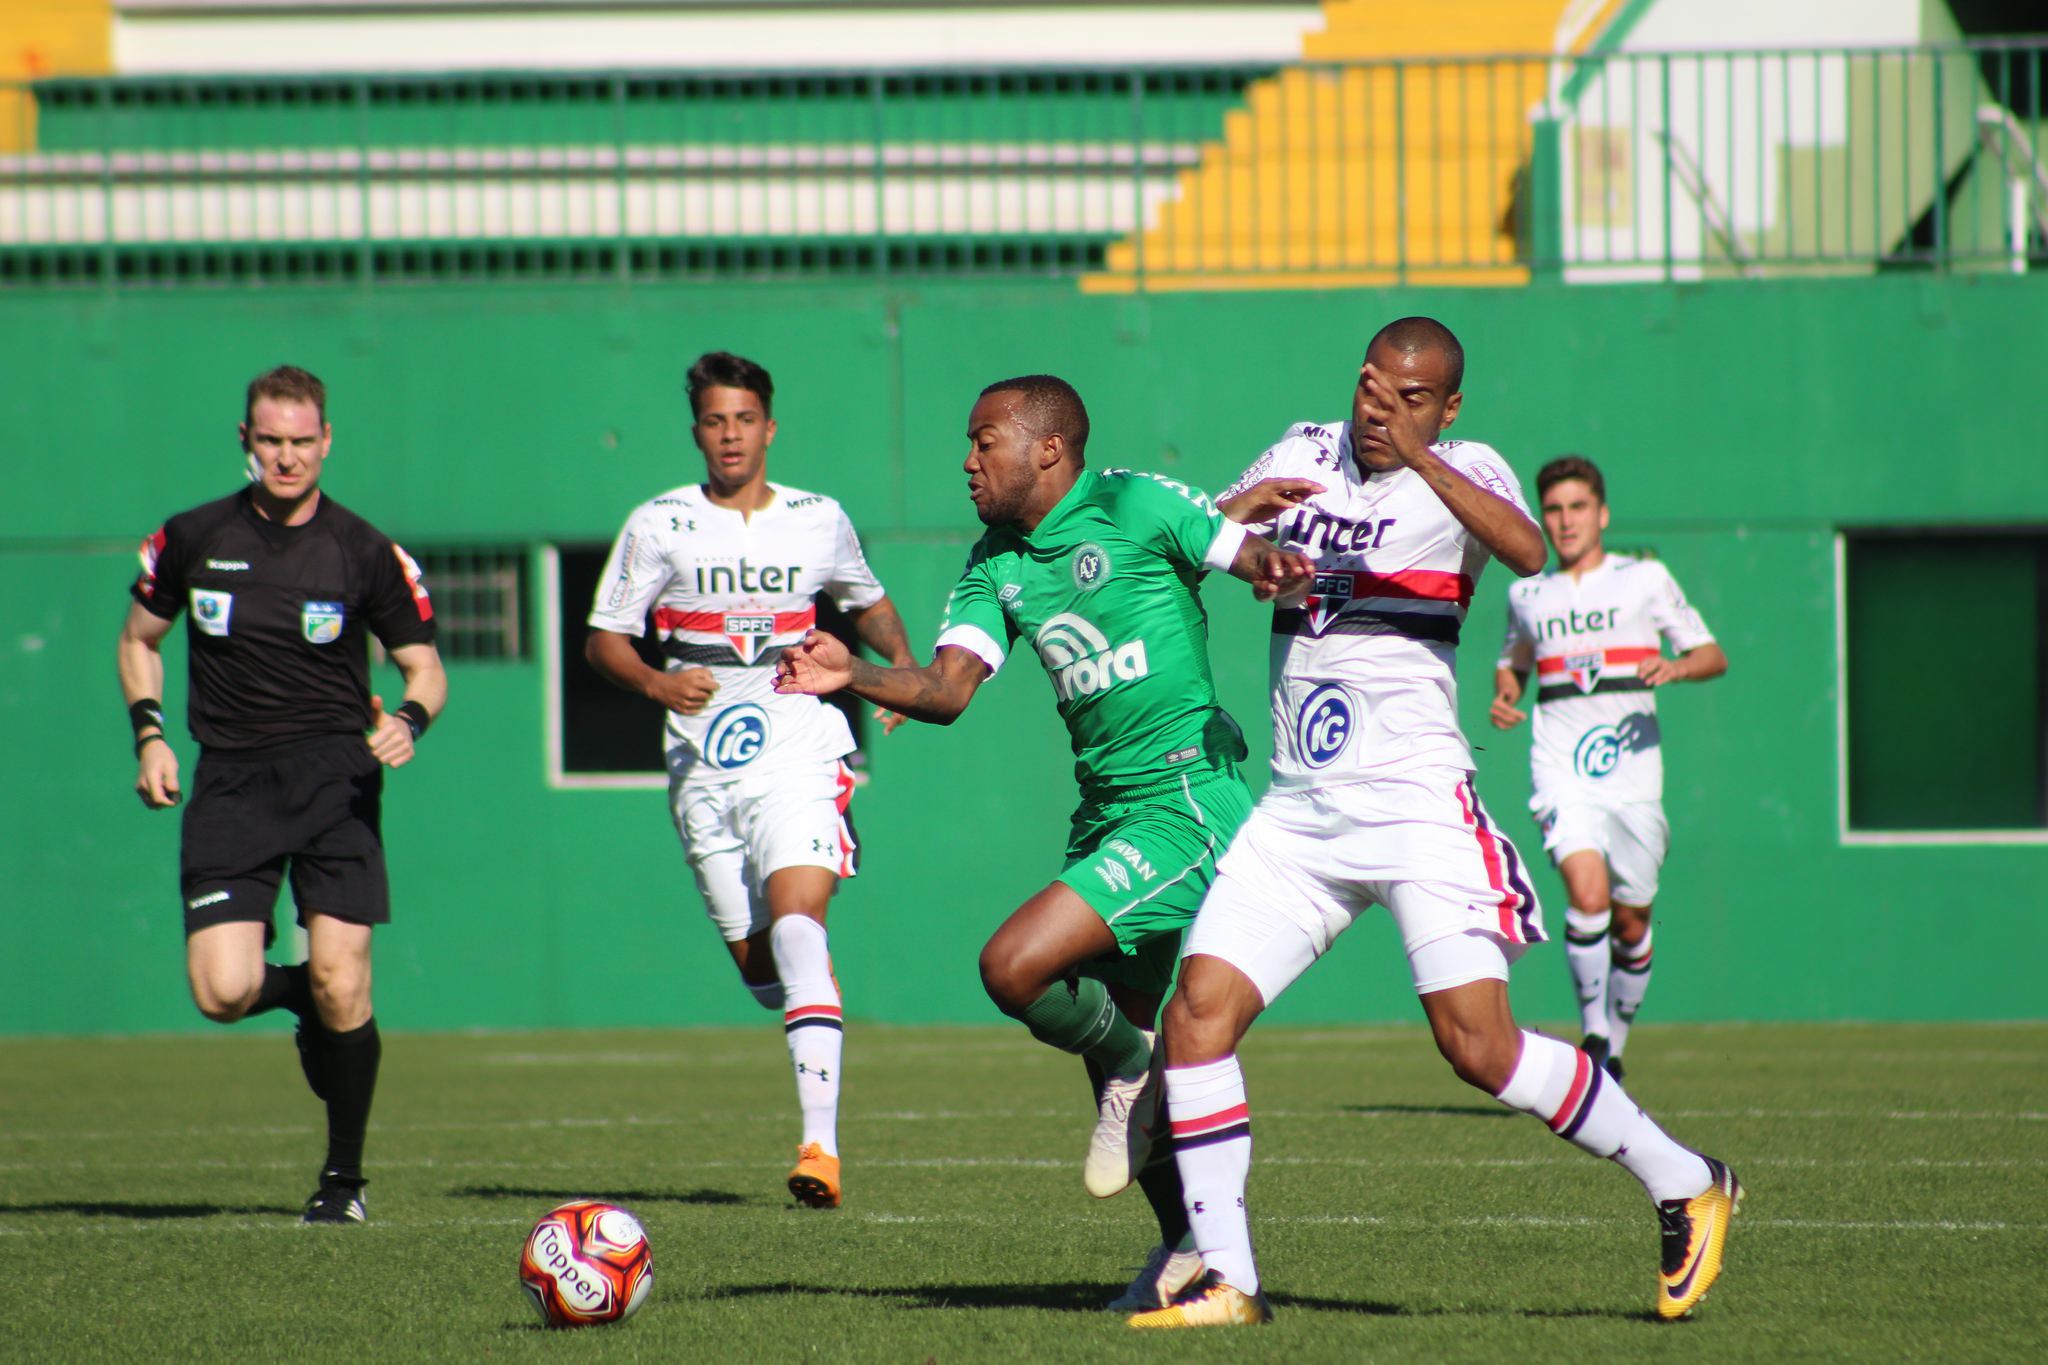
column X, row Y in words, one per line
column 1364, row 665
column 729, row 592
column 1595, row 722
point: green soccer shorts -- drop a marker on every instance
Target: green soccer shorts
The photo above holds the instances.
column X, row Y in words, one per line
column 1144, row 861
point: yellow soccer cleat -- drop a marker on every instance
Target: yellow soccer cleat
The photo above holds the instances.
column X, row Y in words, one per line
column 815, row 1181
column 1211, row 1303
column 1695, row 1231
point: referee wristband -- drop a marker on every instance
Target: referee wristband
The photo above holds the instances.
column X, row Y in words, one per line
column 415, row 716
column 145, row 713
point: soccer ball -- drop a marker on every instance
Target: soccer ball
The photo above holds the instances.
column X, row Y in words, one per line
column 587, row 1262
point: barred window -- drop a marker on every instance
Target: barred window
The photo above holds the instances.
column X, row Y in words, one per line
column 479, row 594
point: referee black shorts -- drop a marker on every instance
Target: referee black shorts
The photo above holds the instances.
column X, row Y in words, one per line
column 314, row 808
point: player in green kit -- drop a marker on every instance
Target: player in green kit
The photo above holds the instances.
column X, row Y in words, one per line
column 1098, row 574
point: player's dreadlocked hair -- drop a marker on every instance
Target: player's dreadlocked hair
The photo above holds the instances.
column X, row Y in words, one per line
column 1050, row 408
column 285, row 384
column 724, row 370
column 1571, row 467
column 1412, row 336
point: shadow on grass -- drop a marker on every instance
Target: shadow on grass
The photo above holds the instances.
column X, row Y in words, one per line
column 1454, row 1111
column 609, row 1196
column 124, row 1209
column 1070, row 1297
column 1374, row 1308
column 1089, row 1298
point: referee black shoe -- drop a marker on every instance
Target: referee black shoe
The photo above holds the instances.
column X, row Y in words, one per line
column 336, row 1201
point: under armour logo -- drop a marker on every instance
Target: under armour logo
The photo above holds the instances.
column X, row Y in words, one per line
column 820, row 1072
column 1196, row 1207
column 820, row 846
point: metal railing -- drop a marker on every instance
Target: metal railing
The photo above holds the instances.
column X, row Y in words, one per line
column 1597, row 167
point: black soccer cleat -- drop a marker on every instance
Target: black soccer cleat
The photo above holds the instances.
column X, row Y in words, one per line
column 337, row 1201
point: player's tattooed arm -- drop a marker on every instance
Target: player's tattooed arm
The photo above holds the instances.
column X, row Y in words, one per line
column 1272, row 571
column 1500, row 525
column 881, row 629
column 937, row 693
column 1267, row 499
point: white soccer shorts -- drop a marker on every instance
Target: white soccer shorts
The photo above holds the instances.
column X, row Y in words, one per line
column 736, row 834
column 1308, row 862
column 1632, row 836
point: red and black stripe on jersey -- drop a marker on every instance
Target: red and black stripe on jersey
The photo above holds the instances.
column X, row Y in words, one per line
column 280, row 616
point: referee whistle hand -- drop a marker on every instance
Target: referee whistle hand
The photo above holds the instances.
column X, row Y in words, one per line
column 390, row 736
column 156, row 778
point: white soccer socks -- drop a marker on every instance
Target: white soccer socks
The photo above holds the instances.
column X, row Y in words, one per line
column 1627, row 984
column 1212, row 1137
column 811, row 1019
column 1588, row 1108
column 1585, row 949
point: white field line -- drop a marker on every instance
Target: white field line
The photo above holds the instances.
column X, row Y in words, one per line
column 923, row 1116
column 615, row 1169
column 1405, row 1224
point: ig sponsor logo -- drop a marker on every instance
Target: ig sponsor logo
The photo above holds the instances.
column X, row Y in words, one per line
column 736, row 737
column 1324, row 725
column 1598, row 752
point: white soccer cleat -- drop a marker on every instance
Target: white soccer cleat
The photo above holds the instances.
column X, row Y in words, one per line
column 1166, row 1272
column 1123, row 1134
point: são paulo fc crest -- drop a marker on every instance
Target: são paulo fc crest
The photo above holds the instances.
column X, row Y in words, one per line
column 321, row 622
column 737, row 736
column 1584, row 669
column 1090, row 567
column 1323, row 727
column 749, row 632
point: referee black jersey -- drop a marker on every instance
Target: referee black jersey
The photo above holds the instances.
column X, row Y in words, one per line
column 279, row 616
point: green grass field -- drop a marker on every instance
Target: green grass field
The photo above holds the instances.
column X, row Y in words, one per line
column 1898, row 1205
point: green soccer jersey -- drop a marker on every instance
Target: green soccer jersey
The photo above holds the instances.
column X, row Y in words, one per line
column 1104, row 590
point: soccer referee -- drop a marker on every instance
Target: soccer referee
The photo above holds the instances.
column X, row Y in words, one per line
column 282, row 585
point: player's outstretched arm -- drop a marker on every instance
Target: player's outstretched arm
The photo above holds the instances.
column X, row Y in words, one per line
column 142, row 680
column 936, row 693
column 1500, row 525
column 393, row 733
column 1272, row 571
column 881, row 629
column 1267, row 499
column 1697, row 664
column 1507, row 690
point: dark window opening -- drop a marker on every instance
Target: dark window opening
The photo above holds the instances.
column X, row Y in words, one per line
column 1945, row 654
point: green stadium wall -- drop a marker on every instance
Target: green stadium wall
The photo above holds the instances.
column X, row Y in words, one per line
column 1741, row 425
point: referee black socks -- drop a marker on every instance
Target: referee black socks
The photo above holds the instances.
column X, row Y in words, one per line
column 283, row 988
column 347, row 1066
